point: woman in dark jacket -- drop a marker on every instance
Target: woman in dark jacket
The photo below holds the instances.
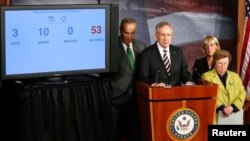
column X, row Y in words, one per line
column 209, row 46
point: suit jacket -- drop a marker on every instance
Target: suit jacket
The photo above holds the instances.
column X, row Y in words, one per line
column 200, row 66
column 234, row 93
column 123, row 81
column 151, row 66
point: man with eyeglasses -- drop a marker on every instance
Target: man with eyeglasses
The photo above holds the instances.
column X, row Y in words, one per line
column 163, row 64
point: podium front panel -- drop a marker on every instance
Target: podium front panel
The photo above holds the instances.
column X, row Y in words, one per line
column 155, row 118
column 178, row 113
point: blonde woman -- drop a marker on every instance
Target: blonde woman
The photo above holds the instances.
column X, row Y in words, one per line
column 209, row 46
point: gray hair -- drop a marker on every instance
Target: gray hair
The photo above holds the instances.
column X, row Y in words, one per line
column 161, row 24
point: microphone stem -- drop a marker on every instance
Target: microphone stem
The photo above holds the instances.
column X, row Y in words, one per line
column 157, row 75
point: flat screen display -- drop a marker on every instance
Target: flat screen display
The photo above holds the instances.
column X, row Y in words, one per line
column 55, row 40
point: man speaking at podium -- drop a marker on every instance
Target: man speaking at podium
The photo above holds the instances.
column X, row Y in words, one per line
column 163, row 64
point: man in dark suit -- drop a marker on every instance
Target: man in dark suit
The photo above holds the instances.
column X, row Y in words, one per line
column 163, row 64
column 124, row 101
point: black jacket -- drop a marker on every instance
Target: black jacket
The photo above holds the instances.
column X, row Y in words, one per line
column 151, row 66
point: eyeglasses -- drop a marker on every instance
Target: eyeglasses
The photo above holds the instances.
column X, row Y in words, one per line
column 222, row 63
column 164, row 35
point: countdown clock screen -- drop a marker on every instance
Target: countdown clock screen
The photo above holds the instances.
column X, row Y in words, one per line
column 54, row 40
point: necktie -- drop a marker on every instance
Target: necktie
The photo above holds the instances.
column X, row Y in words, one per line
column 130, row 57
column 166, row 62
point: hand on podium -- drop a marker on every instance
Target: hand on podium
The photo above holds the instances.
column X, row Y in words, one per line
column 189, row 83
column 163, row 85
column 158, row 84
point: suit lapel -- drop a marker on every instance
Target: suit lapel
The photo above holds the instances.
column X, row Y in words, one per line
column 123, row 54
column 204, row 61
column 217, row 80
column 135, row 49
column 229, row 83
column 173, row 58
column 156, row 54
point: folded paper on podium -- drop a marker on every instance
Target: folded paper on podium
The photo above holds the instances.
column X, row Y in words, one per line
column 176, row 113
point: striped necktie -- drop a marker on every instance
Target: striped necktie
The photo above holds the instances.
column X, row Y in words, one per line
column 166, row 62
column 130, row 57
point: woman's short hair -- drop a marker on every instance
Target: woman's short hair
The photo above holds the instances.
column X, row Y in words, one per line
column 220, row 54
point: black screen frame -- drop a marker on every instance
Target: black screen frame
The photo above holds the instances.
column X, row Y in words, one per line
column 109, row 64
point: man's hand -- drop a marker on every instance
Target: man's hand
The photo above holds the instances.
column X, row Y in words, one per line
column 158, row 84
column 190, row 83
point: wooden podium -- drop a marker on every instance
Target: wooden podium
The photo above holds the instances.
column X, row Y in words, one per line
column 177, row 113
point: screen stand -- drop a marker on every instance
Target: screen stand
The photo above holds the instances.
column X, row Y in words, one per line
column 53, row 80
column 60, row 80
column 43, row 81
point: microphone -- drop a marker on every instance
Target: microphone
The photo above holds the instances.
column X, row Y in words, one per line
column 157, row 75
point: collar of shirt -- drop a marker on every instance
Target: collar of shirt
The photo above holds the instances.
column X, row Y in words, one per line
column 160, row 48
column 130, row 46
column 223, row 79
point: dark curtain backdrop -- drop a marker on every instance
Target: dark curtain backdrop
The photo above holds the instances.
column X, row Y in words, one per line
column 65, row 112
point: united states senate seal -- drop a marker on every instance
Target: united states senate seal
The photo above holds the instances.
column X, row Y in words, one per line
column 183, row 124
